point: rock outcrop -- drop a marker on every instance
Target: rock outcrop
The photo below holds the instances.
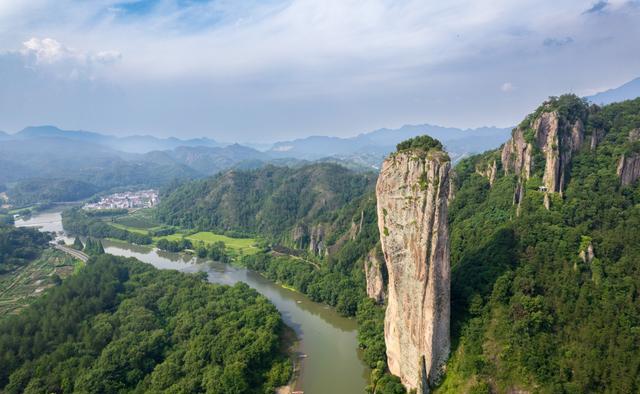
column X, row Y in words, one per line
column 489, row 171
column 317, row 240
column 629, row 168
column 629, row 165
column 550, row 137
column 587, row 255
column 412, row 192
column 311, row 238
column 373, row 266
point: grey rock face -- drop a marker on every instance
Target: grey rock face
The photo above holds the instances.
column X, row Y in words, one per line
column 489, row 171
column 629, row 168
column 552, row 136
column 373, row 273
column 412, row 213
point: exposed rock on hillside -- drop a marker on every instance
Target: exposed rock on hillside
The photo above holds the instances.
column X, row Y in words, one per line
column 545, row 143
column 517, row 155
column 629, row 168
column 489, row 172
column 587, row 255
column 316, row 240
column 412, row 192
column 556, row 138
column 373, row 266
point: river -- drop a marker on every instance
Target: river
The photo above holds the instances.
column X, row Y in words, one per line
column 331, row 361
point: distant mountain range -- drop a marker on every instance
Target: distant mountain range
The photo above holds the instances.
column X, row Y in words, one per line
column 57, row 160
column 130, row 144
column 628, row 91
column 370, row 148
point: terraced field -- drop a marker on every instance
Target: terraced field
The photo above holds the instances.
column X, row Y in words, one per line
column 21, row 286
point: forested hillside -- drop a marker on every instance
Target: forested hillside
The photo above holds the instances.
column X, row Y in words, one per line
column 124, row 326
column 547, row 300
column 268, row 202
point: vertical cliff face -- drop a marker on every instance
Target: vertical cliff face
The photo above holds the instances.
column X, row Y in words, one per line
column 412, row 192
column 629, row 165
column 553, row 140
column 629, row 168
column 373, row 266
column 517, row 155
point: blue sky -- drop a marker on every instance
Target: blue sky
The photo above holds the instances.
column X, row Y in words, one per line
column 262, row 71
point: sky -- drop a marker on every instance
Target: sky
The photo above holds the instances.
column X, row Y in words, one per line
column 263, row 71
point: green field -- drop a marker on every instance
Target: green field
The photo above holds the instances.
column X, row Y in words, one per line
column 239, row 245
column 21, row 286
column 142, row 222
column 141, row 219
column 130, row 228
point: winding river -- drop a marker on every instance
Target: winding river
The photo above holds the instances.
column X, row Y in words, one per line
column 328, row 348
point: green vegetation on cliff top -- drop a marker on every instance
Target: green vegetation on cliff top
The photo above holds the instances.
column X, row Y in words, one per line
column 422, row 142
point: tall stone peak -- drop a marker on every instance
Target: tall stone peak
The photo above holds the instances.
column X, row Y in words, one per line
column 412, row 196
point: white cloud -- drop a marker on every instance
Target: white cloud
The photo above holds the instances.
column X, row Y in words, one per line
column 341, row 65
column 51, row 57
column 507, row 87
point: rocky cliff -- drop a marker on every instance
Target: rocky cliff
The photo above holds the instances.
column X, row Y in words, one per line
column 629, row 163
column 373, row 266
column 488, row 171
column 412, row 192
column 546, row 141
column 629, row 168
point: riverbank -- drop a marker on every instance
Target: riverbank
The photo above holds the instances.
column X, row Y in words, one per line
column 333, row 362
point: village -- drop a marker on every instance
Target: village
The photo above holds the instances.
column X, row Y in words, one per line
column 126, row 200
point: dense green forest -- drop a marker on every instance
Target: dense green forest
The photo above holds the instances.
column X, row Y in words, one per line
column 528, row 312
column 120, row 325
column 267, row 202
column 20, row 245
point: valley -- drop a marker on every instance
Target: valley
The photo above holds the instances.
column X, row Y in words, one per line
column 420, row 278
column 326, row 354
column 319, row 197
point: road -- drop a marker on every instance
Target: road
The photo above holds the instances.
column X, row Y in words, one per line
column 75, row 253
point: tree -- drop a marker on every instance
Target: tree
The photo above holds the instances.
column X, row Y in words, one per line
column 77, row 244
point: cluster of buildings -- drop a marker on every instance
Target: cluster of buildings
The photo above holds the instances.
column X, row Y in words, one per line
column 126, row 200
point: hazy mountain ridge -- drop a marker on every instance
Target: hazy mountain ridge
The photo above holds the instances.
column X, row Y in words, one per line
column 129, row 144
column 376, row 144
column 627, row 91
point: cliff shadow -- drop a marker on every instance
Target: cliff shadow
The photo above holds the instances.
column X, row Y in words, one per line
column 474, row 275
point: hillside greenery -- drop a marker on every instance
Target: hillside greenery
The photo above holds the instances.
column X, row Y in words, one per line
column 527, row 312
column 267, row 202
column 120, row 325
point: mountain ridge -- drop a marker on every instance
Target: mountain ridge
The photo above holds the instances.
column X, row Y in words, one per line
column 128, row 144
